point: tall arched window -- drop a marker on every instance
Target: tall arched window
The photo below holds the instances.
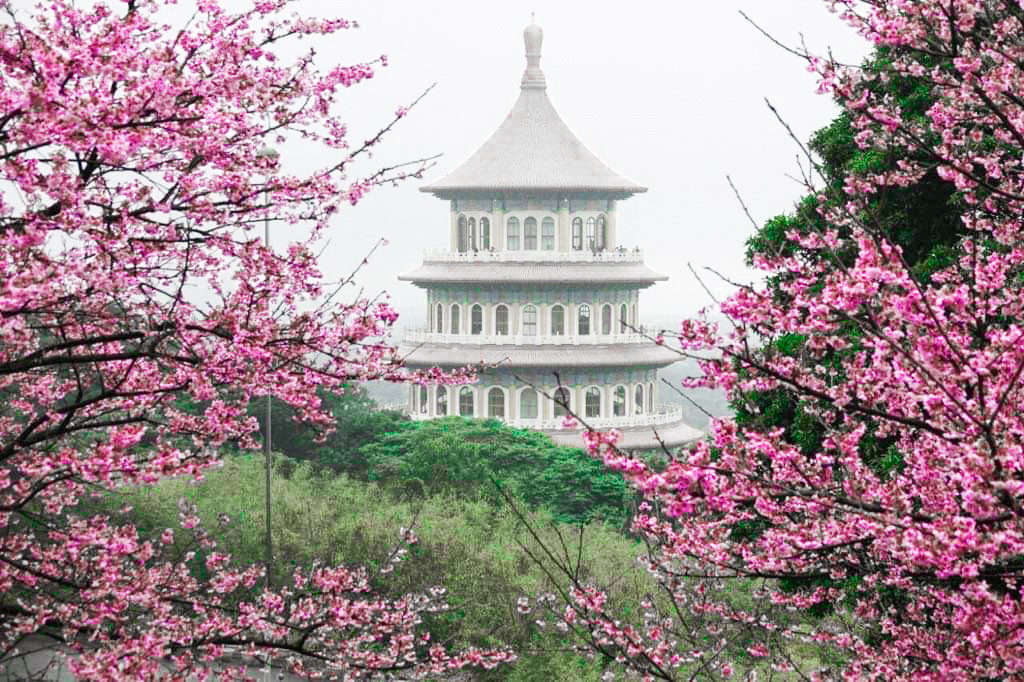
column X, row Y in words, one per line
column 423, row 399
column 638, row 399
column 529, row 321
column 442, row 401
column 466, row 401
column 590, row 233
column 606, row 319
column 619, row 402
column 650, row 397
column 496, row 403
column 476, row 320
column 454, row 324
column 463, row 235
column 512, row 228
column 583, row 320
column 577, row 234
column 623, row 320
column 557, row 320
column 501, row 320
column 472, row 234
column 547, row 234
column 602, row 233
column 562, row 401
column 528, row 404
column 593, row 402
column 530, row 234
column 485, row 234
column 439, row 319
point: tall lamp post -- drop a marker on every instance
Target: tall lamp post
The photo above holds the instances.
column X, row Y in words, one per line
column 271, row 154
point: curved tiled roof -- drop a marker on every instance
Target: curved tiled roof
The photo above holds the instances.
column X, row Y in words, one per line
column 526, row 272
column 533, row 150
column 557, row 357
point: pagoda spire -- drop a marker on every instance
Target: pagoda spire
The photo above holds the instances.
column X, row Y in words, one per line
column 533, row 77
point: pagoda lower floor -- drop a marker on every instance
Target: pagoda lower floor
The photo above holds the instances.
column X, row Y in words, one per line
column 624, row 398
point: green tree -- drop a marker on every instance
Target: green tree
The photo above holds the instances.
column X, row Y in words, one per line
column 467, row 457
column 357, row 421
column 924, row 220
column 477, row 550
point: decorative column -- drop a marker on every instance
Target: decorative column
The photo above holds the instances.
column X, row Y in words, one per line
column 564, row 238
column 612, row 234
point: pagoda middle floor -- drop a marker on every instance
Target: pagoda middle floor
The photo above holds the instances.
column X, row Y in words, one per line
column 537, row 331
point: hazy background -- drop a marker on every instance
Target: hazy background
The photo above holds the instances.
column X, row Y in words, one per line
column 669, row 94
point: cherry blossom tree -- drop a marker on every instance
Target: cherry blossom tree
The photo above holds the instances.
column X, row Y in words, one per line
column 905, row 520
column 139, row 315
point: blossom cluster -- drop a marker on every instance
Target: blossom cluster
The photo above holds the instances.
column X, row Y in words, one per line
column 140, row 313
column 921, row 544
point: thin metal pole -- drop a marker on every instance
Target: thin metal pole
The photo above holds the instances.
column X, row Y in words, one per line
column 267, row 434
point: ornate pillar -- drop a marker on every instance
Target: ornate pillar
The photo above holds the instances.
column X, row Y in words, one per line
column 613, row 240
column 564, row 238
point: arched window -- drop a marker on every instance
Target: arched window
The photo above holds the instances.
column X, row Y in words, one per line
column 557, row 320
column 463, row 235
column 593, row 402
column 501, row 320
column 590, row 233
column 638, row 399
column 466, row 401
column 496, row 403
column 619, row 402
column 529, row 321
column 602, row 233
column 512, row 227
column 577, row 234
column 442, row 401
column 530, row 234
column 547, row 234
column 650, row 397
column 562, row 401
column 485, row 234
column 455, row 319
column 583, row 321
column 606, row 319
column 476, row 319
column 472, row 234
column 439, row 321
column 423, row 399
column 528, row 404
column 623, row 321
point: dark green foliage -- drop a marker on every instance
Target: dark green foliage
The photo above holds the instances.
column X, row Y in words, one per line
column 467, row 457
column 923, row 220
column 357, row 422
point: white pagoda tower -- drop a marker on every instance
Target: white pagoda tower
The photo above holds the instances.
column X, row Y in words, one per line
column 534, row 285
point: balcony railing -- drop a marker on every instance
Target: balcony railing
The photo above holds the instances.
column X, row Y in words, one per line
column 660, row 416
column 426, row 336
column 607, row 256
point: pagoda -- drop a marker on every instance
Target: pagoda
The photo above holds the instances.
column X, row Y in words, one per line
column 535, row 286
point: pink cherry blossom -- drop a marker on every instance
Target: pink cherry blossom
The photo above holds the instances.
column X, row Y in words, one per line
column 140, row 313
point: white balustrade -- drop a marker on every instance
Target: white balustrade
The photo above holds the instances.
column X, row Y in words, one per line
column 608, row 256
column 426, row 336
column 660, row 416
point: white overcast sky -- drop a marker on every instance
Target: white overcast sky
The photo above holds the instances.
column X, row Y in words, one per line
column 668, row 94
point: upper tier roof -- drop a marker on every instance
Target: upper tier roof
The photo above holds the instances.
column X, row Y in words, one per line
column 533, row 150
